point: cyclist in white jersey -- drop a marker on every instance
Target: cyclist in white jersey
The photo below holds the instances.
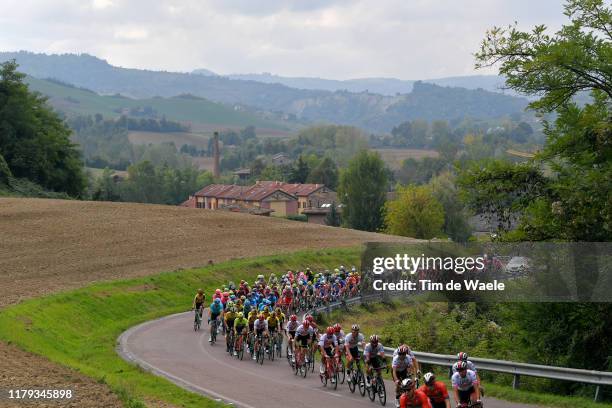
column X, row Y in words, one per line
column 352, row 342
column 465, row 384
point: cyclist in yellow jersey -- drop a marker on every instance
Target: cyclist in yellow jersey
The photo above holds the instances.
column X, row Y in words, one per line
column 266, row 312
column 280, row 316
column 252, row 317
column 240, row 329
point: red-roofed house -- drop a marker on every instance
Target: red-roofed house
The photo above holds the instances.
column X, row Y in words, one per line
column 280, row 198
column 308, row 195
column 219, row 196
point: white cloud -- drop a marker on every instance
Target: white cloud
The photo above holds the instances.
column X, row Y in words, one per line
column 326, row 38
column 102, row 4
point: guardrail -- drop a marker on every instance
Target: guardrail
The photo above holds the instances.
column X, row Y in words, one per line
column 597, row 378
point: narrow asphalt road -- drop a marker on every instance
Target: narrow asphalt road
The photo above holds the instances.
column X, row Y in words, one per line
column 169, row 347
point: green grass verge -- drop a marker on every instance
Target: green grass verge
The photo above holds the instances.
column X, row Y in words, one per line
column 79, row 328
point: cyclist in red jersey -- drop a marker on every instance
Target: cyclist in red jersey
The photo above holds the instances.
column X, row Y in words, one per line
column 436, row 391
column 412, row 398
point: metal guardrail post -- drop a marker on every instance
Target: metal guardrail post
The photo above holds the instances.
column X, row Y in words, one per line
column 597, row 389
column 516, row 381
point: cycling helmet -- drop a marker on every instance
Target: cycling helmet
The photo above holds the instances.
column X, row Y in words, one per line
column 337, row 327
column 429, row 378
column 293, row 318
column 240, row 315
column 461, row 365
column 461, row 356
column 330, row 330
column 218, row 291
column 225, row 294
column 266, row 309
column 261, row 318
column 403, row 349
column 407, row 383
column 200, row 291
column 374, row 339
column 217, row 300
column 309, row 319
column 353, row 269
column 243, row 298
column 278, row 310
column 306, row 324
column 355, row 327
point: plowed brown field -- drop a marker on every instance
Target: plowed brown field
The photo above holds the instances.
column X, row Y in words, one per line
column 52, row 245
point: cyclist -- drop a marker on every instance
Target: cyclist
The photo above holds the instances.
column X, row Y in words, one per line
column 261, row 332
column 412, row 398
column 413, row 360
column 216, row 310
column 228, row 320
column 273, row 326
column 373, row 355
column 292, row 326
column 198, row 302
column 240, row 323
column 461, row 356
column 303, row 335
column 352, row 342
column 402, row 368
column 436, row 391
column 465, row 384
column 328, row 345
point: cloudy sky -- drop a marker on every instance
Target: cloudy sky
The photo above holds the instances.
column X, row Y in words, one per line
column 340, row 39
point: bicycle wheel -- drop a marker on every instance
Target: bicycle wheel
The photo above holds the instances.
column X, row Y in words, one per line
column 372, row 389
column 382, row 392
column 271, row 348
column 341, row 371
column 260, row 354
column 353, row 380
column 279, row 347
column 335, row 376
column 361, row 383
column 311, row 361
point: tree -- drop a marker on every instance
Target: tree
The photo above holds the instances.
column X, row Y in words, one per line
column 415, row 213
column 300, row 171
column 573, row 202
column 576, row 58
column 456, row 223
column 362, row 190
column 105, row 188
column 325, row 173
column 34, row 141
column 333, row 217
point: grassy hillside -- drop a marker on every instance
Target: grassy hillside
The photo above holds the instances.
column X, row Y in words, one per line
column 188, row 109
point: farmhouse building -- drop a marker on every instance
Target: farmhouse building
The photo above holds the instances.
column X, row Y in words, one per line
column 262, row 198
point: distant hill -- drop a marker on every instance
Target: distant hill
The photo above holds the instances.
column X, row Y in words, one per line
column 184, row 108
column 383, row 86
column 371, row 111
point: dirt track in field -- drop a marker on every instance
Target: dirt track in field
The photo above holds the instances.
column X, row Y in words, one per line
column 51, row 245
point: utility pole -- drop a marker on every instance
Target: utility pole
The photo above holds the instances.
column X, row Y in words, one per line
column 216, row 169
